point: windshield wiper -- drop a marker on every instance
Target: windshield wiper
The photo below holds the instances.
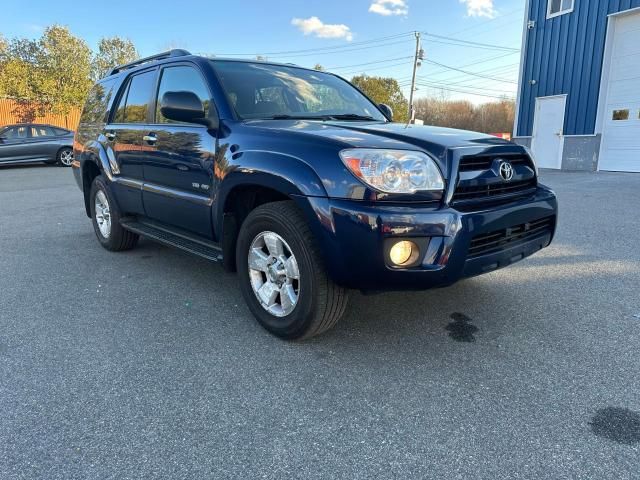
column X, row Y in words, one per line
column 351, row 116
column 298, row 117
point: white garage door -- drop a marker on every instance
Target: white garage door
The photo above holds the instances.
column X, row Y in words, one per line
column 620, row 149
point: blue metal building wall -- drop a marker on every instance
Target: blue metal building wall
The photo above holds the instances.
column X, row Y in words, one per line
column 564, row 55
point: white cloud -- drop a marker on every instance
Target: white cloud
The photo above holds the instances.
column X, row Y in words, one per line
column 480, row 8
column 314, row 26
column 389, row 7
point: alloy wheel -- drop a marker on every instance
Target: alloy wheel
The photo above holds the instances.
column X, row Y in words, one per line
column 66, row 157
column 274, row 274
column 103, row 214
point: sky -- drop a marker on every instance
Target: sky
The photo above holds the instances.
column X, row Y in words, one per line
column 476, row 60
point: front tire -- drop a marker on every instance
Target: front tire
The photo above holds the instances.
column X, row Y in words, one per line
column 282, row 274
column 64, row 158
column 105, row 217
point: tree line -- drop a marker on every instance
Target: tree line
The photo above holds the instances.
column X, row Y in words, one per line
column 491, row 117
column 55, row 72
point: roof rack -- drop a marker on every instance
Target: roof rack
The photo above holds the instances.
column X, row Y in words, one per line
column 176, row 52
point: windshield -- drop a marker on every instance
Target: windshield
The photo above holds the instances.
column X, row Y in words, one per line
column 263, row 91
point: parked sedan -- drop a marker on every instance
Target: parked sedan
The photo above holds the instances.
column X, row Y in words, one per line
column 30, row 142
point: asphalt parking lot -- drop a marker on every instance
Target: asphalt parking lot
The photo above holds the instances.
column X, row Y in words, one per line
column 147, row 364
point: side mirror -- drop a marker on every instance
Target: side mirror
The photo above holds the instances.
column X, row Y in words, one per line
column 386, row 111
column 184, row 107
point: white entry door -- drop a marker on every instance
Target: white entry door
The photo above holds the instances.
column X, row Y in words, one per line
column 548, row 123
column 620, row 147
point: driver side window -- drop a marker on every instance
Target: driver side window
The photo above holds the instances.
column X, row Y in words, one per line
column 182, row 78
column 15, row 133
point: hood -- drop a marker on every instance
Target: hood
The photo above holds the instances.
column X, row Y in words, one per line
column 435, row 140
column 318, row 144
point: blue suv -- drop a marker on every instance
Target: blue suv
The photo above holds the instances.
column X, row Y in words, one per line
column 299, row 182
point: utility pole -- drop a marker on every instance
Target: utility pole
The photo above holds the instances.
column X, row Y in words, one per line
column 416, row 63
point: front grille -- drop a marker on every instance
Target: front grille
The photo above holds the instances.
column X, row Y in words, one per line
column 480, row 181
column 472, row 164
column 498, row 240
column 480, row 192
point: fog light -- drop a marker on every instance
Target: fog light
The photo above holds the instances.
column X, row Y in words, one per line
column 403, row 252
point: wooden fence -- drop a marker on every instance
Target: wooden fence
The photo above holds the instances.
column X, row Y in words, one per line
column 9, row 113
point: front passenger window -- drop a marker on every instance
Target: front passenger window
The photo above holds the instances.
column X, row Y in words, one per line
column 15, row 133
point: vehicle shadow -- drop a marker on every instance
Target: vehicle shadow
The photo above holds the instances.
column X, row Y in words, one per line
column 524, row 297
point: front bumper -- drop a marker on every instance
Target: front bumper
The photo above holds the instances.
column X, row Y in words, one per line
column 353, row 236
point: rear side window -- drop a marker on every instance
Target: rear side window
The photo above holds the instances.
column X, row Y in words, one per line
column 179, row 79
column 134, row 103
column 60, row 131
column 97, row 105
column 38, row 131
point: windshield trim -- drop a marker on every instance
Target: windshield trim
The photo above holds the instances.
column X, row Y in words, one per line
column 214, row 61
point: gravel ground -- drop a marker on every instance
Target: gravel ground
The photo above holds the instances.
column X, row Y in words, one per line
column 147, row 364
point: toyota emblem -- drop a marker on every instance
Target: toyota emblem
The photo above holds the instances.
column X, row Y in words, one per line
column 506, row 171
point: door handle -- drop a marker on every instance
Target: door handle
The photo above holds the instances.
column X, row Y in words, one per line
column 111, row 136
column 151, row 138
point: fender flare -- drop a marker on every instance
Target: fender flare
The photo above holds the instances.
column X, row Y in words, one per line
column 94, row 153
column 284, row 173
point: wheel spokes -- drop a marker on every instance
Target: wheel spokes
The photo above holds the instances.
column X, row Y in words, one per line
column 274, row 244
column 288, row 298
column 268, row 293
column 291, row 268
column 258, row 260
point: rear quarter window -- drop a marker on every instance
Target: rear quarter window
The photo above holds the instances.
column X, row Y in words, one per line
column 97, row 105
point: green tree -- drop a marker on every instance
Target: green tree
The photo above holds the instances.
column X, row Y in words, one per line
column 52, row 73
column 65, row 65
column 4, row 47
column 318, row 67
column 384, row 90
column 112, row 51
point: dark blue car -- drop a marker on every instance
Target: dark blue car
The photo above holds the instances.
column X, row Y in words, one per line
column 300, row 183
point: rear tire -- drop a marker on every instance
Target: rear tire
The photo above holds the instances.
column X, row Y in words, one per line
column 64, row 158
column 301, row 301
column 105, row 217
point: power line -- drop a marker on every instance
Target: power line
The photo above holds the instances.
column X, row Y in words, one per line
column 470, row 43
column 333, row 52
column 470, row 73
column 464, row 45
column 458, row 78
column 440, row 72
column 447, row 89
column 333, row 48
column 351, row 72
column 369, row 63
column 473, row 87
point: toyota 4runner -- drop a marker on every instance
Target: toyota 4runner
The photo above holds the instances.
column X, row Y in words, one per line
column 299, row 182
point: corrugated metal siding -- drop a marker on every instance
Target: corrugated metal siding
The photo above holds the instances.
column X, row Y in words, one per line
column 564, row 55
column 8, row 116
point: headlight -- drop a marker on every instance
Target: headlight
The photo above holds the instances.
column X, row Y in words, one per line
column 393, row 171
